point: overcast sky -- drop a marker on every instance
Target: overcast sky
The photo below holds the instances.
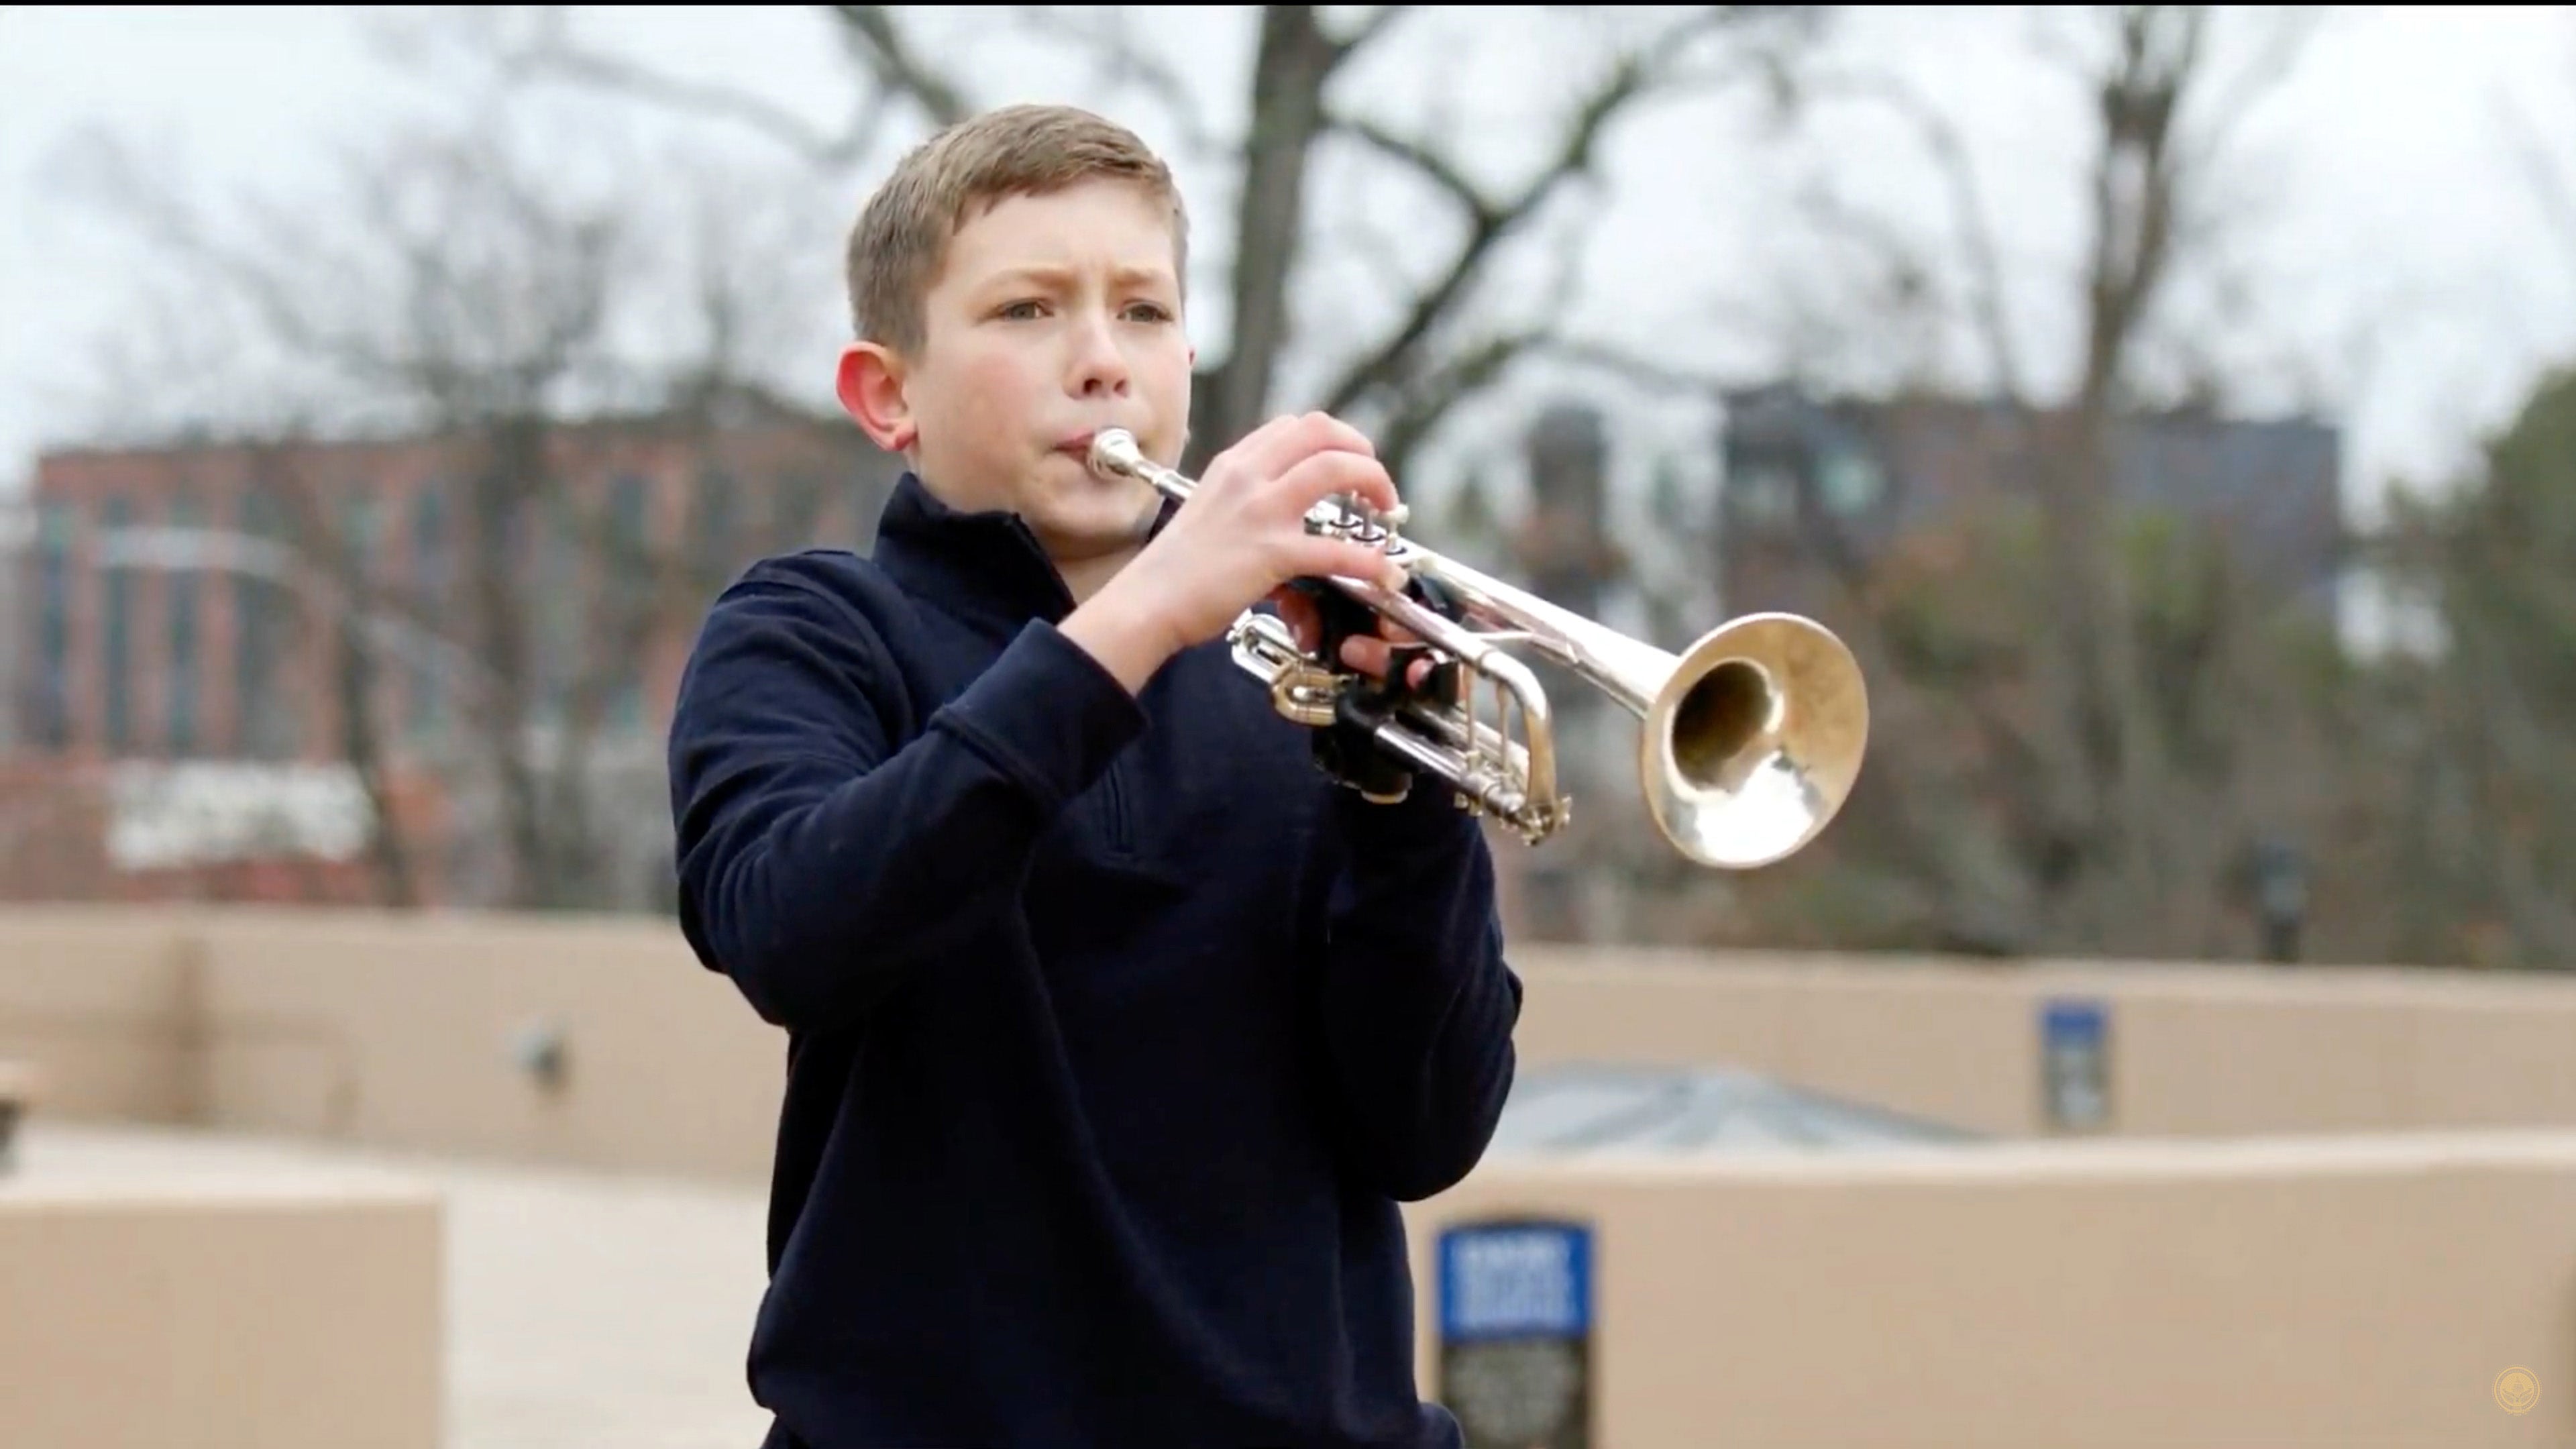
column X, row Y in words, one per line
column 2395, row 212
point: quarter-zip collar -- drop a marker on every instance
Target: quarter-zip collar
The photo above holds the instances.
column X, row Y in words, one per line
column 985, row 564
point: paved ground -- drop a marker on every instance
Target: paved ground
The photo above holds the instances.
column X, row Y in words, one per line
column 592, row 1311
column 584, row 1311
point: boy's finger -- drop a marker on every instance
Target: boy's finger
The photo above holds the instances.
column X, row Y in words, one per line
column 1321, row 475
column 1318, row 557
column 1299, row 613
column 1267, row 450
column 1332, row 432
column 1373, row 657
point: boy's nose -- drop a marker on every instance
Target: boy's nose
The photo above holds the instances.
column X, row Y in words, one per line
column 1099, row 365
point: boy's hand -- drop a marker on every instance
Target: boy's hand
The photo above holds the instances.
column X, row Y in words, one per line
column 1240, row 537
column 1371, row 657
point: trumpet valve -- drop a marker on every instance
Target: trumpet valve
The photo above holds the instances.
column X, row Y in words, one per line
column 1347, row 517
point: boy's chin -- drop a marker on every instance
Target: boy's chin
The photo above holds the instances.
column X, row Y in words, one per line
column 1094, row 524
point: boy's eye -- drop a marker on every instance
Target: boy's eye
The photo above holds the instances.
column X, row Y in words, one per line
column 1030, row 309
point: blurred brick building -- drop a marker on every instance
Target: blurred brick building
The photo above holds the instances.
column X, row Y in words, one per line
column 172, row 616
column 184, row 621
column 1816, row 494
column 1817, row 488
column 173, row 623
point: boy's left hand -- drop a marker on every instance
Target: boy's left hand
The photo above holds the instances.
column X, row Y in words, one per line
column 1369, row 655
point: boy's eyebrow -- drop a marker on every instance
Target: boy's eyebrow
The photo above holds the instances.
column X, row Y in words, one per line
column 1046, row 275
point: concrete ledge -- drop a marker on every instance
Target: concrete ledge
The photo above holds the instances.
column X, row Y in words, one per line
column 156, row 1292
column 2345, row 1290
column 20, row 1084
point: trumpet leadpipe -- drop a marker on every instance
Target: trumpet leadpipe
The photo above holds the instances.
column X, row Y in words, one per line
column 1750, row 739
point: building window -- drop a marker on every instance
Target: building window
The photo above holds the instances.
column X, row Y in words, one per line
column 116, row 664
column 1849, row 482
column 181, row 588
column 630, row 577
column 796, row 510
column 53, row 723
column 552, row 534
column 263, row 616
column 431, row 562
column 1764, row 493
column 712, row 539
column 358, row 533
column 356, row 662
column 869, row 492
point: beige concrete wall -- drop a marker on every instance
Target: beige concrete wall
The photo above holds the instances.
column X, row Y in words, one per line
column 399, row 1031
column 99, row 1002
column 2159, row 1288
column 2195, row 1049
column 152, row 1302
column 2349, row 1290
column 343, row 1028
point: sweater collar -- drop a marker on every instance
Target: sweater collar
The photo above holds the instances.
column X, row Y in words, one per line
column 983, row 562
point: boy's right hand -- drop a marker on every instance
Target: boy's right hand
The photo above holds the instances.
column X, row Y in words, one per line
column 1241, row 536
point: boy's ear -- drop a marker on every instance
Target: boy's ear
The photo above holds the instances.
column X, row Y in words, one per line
column 870, row 383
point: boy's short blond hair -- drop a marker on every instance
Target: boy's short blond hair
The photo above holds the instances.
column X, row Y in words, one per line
column 901, row 239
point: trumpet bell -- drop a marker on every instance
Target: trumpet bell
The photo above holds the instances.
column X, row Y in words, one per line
column 1754, row 741
column 1749, row 741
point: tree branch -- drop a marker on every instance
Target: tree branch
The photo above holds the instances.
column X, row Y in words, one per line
column 872, row 37
column 1976, row 236
column 1373, row 26
column 447, row 284
column 1292, row 65
column 1427, row 392
column 1619, row 362
column 1459, row 376
column 1657, row 65
column 2551, row 190
column 2293, row 27
column 552, row 53
column 1124, row 59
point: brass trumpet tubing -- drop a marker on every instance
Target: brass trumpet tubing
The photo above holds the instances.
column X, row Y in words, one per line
column 1749, row 742
column 1265, row 649
column 1628, row 670
column 1472, row 649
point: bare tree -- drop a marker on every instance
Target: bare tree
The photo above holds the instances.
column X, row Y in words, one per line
column 462, row 300
column 1442, row 344
column 2062, row 744
column 2475, row 727
column 328, row 585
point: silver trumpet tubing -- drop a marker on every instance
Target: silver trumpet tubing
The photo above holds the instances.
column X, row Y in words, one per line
column 1750, row 740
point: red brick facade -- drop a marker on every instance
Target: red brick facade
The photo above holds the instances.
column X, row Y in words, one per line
column 139, row 657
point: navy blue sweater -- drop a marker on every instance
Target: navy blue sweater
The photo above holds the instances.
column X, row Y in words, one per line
column 1115, row 1033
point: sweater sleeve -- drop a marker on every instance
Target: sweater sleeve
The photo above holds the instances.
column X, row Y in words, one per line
column 1418, row 1001
column 821, row 862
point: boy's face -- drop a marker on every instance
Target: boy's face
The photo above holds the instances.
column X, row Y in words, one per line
column 1053, row 317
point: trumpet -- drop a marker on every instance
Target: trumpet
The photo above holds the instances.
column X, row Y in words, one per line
column 1749, row 740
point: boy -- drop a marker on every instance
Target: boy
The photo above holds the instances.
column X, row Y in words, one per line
column 1116, row 1032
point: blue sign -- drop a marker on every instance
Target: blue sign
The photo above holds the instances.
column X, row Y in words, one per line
column 1508, row 1280
column 2075, row 1070
column 2078, row 1025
